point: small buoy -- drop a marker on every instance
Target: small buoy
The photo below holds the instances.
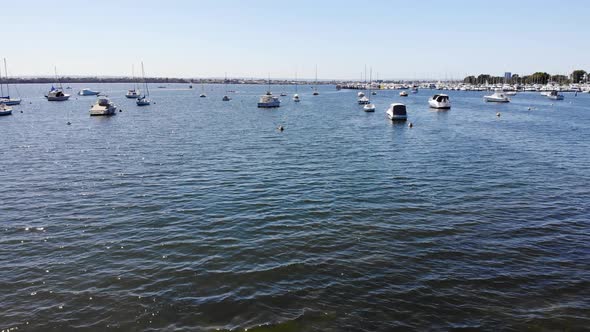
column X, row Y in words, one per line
column 21, row 111
column 281, row 128
column 120, row 111
column 410, row 125
column 69, row 123
column 498, row 114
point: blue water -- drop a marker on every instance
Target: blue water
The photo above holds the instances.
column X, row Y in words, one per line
column 198, row 214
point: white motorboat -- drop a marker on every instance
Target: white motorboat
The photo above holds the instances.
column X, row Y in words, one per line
column 554, row 95
column 296, row 98
column 57, row 94
column 283, row 94
column 143, row 100
column 6, row 99
column 369, row 108
column 202, row 95
column 360, row 94
column 133, row 93
column 497, row 97
column 5, row 110
column 88, row 92
column 440, row 101
column 397, row 112
column 364, row 100
column 403, row 94
column 269, row 101
column 103, row 106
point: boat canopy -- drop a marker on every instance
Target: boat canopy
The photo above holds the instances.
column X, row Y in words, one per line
column 398, row 109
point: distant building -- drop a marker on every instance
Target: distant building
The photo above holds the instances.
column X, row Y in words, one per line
column 507, row 76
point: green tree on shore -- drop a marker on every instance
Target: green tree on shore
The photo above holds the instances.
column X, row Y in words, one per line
column 578, row 76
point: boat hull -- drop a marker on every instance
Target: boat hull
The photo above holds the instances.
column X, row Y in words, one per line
column 398, row 117
column 439, row 106
column 60, row 98
column 5, row 112
column 10, row 102
column 496, row 100
column 269, row 105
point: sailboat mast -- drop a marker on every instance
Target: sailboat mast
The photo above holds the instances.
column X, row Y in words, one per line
column 269, row 82
column 6, row 75
column 144, row 81
column 1, row 88
column 133, row 77
column 370, row 82
column 296, row 82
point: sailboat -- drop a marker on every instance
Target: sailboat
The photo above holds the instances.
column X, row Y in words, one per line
column 370, row 107
column 133, row 93
column 315, row 88
column 6, row 100
column 226, row 97
column 144, row 100
column 202, row 95
column 57, row 94
column 296, row 95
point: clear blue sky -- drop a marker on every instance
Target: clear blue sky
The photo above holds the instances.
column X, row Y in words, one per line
column 399, row 39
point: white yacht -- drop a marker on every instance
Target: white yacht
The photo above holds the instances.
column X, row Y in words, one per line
column 5, row 99
column 497, row 97
column 57, row 94
column 440, row 101
column 103, row 106
column 5, row 110
column 554, row 95
column 397, row 112
column 88, row 92
column 269, row 101
column 403, row 94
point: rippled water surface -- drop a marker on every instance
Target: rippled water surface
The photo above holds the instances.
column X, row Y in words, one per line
column 197, row 214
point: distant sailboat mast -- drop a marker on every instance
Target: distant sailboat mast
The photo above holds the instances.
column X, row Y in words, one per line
column 147, row 94
column 1, row 84
column 6, row 75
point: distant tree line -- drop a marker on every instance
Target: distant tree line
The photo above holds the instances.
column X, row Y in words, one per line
column 577, row 76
